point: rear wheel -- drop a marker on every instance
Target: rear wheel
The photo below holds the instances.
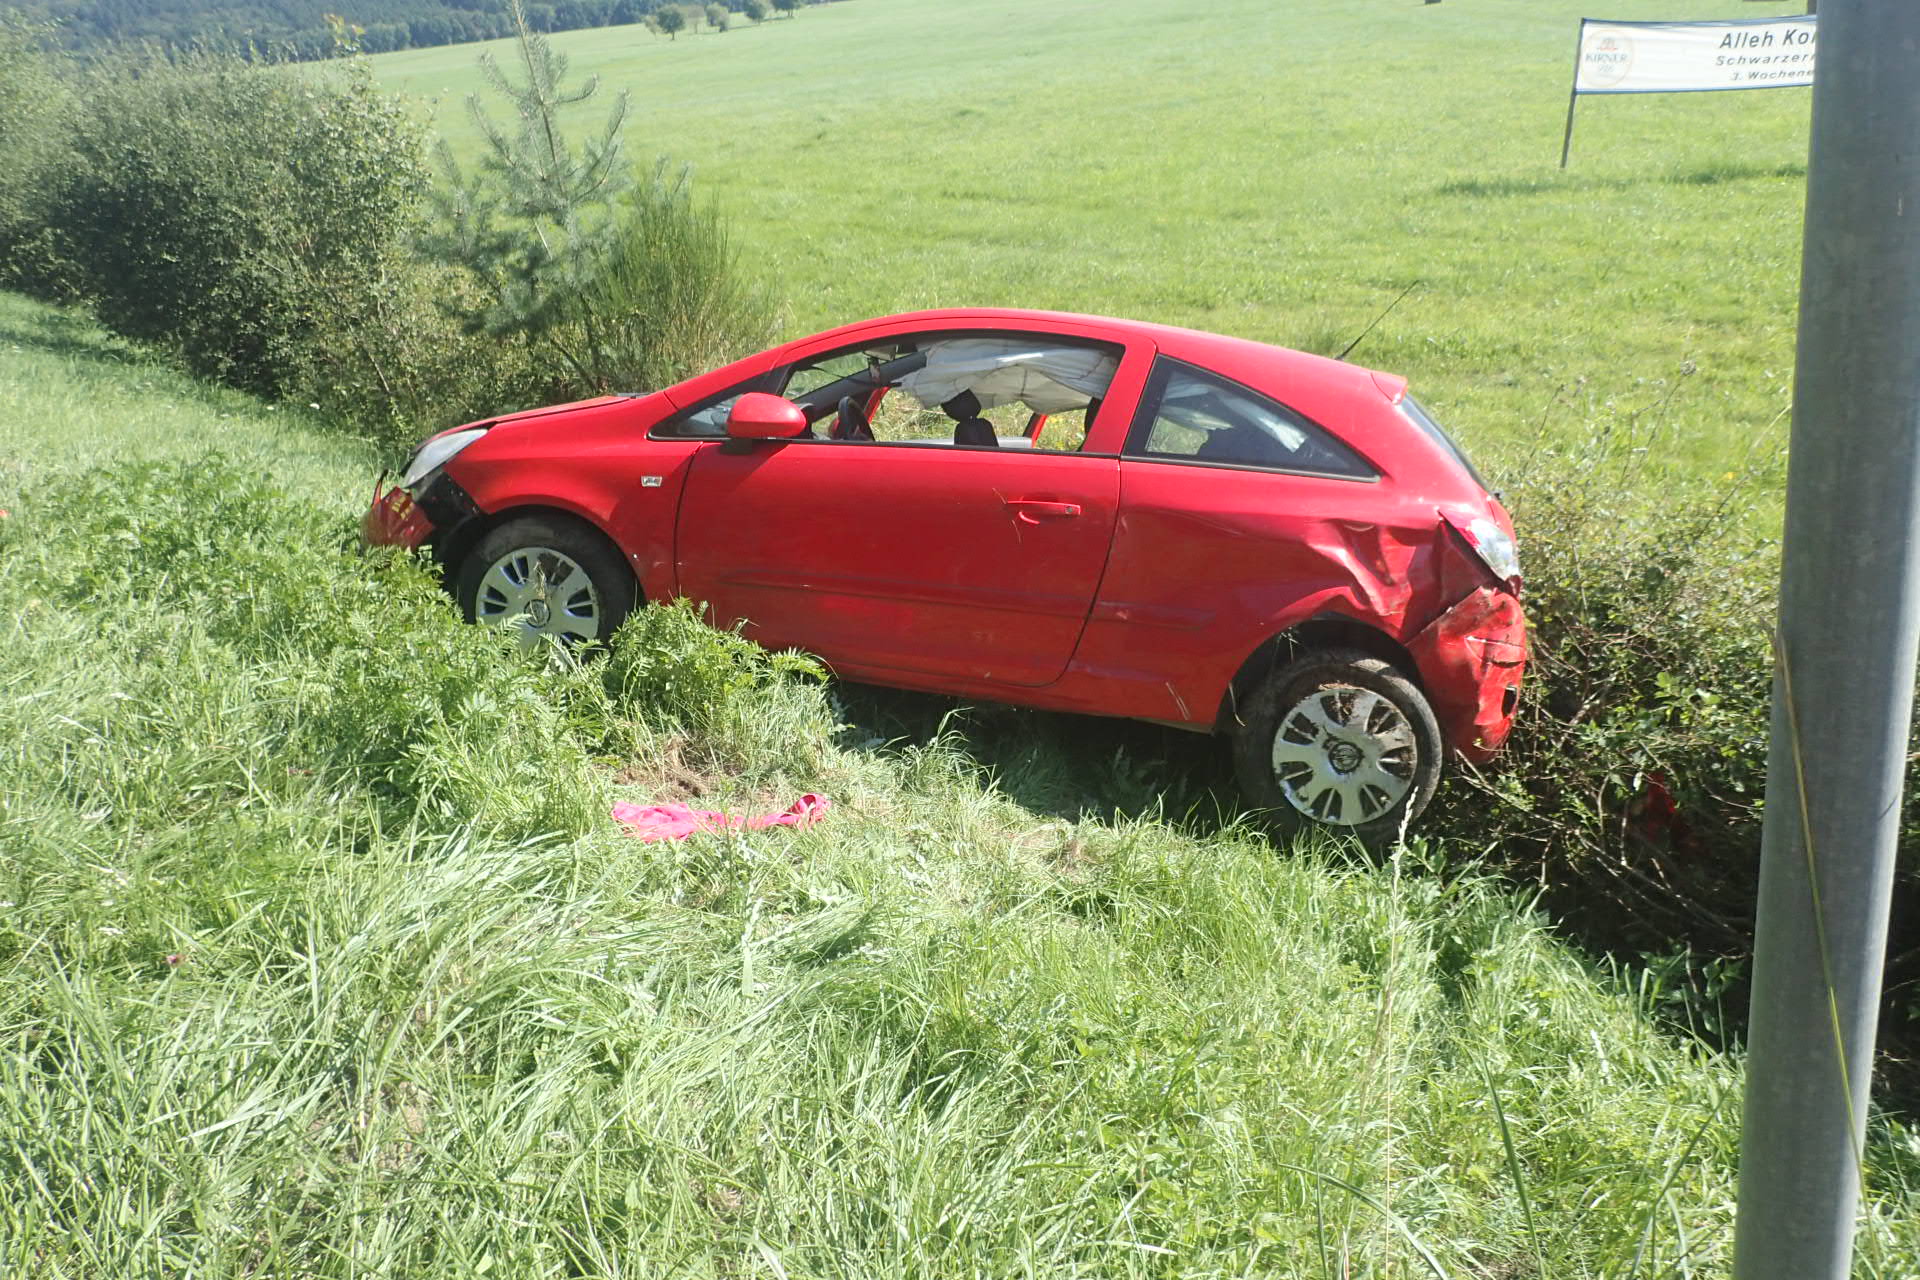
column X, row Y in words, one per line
column 547, row 576
column 1341, row 740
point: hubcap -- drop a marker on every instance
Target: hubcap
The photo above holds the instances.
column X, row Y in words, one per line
column 541, row 591
column 1344, row 755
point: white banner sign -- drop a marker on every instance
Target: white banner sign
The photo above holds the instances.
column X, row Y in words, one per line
column 1687, row 57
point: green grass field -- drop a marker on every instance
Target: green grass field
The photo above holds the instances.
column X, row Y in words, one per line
column 1275, row 171
column 320, row 957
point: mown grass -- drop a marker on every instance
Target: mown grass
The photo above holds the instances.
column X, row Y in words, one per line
column 320, row 956
column 1275, row 171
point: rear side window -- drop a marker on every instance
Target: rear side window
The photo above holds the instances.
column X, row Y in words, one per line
column 1188, row 414
column 1424, row 420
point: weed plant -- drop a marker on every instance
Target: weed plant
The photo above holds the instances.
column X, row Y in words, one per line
column 1631, row 790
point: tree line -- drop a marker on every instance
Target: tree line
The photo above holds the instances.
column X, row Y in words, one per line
column 306, row 30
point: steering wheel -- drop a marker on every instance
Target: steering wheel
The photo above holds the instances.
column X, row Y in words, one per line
column 851, row 422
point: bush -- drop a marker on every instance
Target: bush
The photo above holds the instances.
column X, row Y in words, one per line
column 672, row 292
column 34, row 105
column 1631, row 790
column 395, row 362
column 1632, row 782
column 224, row 211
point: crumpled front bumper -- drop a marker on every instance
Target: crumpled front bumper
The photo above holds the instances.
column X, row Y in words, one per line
column 1472, row 658
column 394, row 519
column 435, row 511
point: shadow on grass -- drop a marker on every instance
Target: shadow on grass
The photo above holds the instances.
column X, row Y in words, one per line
column 66, row 333
column 1065, row 766
column 1718, row 173
column 1560, row 183
column 1550, row 185
column 93, row 358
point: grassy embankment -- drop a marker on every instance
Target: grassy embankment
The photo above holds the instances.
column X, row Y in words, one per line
column 1277, row 171
column 319, row 955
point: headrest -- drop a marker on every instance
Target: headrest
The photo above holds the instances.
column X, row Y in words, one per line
column 976, row 432
column 963, row 406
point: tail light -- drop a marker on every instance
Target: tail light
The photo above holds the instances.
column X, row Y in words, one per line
column 1495, row 549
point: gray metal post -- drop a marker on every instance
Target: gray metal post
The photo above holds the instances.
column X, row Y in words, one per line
column 1848, row 635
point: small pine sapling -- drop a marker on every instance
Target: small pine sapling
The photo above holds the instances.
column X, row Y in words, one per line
column 531, row 223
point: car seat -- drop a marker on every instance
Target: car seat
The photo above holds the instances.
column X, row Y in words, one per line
column 975, row 433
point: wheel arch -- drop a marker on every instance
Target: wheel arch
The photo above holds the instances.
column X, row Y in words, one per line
column 1323, row 631
column 452, row 549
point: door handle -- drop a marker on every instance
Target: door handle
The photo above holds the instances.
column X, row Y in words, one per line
column 1034, row 510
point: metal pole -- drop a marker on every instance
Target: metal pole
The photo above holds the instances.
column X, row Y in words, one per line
column 1566, row 141
column 1849, row 630
column 1573, row 94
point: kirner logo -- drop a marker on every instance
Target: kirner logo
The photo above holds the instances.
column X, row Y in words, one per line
column 1607, row 60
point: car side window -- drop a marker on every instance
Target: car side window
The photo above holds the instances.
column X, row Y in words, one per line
column 1188, row 414
column 978, row 389
column 708, row 420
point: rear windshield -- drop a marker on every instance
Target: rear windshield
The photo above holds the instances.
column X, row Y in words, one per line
column 1438, row 435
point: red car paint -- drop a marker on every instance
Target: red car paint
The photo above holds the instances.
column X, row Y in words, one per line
column 1100, row 580
column 395, row 520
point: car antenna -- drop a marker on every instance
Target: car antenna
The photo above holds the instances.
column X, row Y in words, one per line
column 1376, row 320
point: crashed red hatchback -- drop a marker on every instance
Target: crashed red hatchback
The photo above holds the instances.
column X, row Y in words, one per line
column 1060, row 511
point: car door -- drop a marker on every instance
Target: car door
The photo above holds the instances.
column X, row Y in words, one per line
column 908, row 556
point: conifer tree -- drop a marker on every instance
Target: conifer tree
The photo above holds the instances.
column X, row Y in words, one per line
column 532, row 222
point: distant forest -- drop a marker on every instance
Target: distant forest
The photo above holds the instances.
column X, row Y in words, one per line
column 299, row 28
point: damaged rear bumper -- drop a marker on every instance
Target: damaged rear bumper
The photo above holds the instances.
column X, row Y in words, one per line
column 1472, row 658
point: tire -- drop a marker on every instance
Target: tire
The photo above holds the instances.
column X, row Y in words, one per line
column 1339, row 740
column 551, row 576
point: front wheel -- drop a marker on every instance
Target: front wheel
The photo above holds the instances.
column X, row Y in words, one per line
column 1341, row 740
column 549, row 577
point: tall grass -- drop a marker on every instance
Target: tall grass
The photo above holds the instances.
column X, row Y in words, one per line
column 319, row 955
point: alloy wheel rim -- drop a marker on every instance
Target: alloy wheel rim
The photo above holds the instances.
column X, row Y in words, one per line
column 542, row 592
column 1344, row 755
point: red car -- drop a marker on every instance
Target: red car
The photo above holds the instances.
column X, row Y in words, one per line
column 1069, row 512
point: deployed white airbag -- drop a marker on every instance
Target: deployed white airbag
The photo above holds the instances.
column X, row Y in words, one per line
column 1047, row 379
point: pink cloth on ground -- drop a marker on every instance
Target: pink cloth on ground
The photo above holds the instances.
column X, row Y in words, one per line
column 677, row 822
